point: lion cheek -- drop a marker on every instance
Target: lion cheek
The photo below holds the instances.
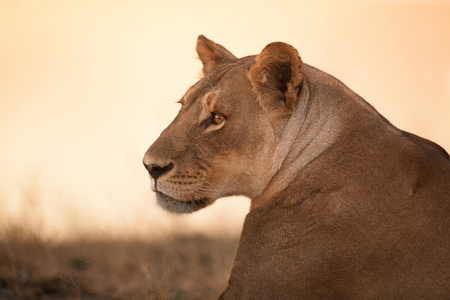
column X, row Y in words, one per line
column 237, row 176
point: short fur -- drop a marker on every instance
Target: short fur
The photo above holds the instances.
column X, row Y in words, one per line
column 343, row 204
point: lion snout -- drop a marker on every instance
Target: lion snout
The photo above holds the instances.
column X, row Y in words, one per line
column 156, row 170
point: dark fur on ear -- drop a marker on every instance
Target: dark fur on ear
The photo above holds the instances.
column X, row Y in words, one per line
column 211, row 53
column 276, row 77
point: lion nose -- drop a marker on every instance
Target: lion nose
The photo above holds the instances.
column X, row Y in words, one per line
column 156, row 170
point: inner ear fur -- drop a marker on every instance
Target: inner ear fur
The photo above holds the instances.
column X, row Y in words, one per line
column 277, row 76
column 212, row 54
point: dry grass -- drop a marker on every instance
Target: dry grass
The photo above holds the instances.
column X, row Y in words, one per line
column 176, row 267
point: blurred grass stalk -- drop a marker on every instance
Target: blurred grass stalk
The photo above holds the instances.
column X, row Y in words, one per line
column 37, row 262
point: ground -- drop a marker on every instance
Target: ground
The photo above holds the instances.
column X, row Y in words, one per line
column 173, row 267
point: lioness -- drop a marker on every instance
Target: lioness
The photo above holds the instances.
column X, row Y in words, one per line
column 343, row 204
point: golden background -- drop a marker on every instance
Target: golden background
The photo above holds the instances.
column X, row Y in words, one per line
column 87, row 86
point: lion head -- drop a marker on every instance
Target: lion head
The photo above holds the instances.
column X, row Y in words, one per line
column 227, row 138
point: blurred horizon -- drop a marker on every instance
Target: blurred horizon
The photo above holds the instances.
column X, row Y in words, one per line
column 87, row 86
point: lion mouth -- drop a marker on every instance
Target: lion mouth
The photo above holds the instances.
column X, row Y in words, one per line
column 178, row 206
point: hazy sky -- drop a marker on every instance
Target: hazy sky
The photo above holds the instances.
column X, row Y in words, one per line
column 87, row 85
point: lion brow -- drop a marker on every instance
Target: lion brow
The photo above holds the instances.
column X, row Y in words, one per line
column 187, row 99
column 181, row 101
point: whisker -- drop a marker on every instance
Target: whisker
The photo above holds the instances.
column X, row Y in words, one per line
column 208, row 80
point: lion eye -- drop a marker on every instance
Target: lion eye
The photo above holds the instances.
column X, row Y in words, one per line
column 217, row 119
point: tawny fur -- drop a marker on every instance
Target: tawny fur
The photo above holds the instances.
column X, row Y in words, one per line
column 343, row 204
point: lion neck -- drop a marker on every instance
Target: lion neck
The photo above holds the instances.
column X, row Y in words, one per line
column 309, row 132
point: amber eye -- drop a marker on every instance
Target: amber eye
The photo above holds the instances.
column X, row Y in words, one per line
column 214, row 120
column 218, row 119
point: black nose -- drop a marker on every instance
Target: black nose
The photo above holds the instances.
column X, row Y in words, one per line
column 156, row 170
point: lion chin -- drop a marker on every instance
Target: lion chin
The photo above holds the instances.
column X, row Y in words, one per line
column 181, row 207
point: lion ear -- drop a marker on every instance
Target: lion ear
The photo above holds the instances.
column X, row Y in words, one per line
column 277, row 77
column 212, row 54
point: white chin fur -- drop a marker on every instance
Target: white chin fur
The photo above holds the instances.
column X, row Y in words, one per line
column 180, row 207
